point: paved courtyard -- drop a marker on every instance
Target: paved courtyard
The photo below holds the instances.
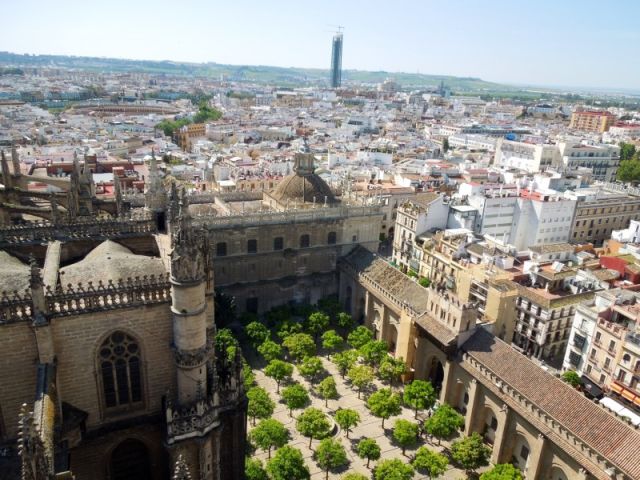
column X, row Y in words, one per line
column 369, row 426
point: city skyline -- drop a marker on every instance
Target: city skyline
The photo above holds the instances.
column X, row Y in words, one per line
column 551, row 45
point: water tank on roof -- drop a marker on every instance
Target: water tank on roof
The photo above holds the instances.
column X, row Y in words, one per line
column 510, row 136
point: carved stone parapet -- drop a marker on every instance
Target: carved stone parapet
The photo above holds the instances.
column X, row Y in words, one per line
column 191, row 422
column 191, row 358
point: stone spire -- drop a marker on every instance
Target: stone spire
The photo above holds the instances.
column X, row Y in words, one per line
column 15, row 160
column 155, row 196
column 6, row 174
column 117, row 190
column 181, row 470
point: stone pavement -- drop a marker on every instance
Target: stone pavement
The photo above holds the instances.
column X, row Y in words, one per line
column 369, row 426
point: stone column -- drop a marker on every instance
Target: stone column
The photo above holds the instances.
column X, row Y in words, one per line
column 471, row 407
column 502, row 416
column 446, row 381
column 534, row 464
column 404, row 347
column 384, row 322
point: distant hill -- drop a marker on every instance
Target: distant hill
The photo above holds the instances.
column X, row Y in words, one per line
column 259, row 73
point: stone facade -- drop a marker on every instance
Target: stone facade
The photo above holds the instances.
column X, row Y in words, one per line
column 527, row 416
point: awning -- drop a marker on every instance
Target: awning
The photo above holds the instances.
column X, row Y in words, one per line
column 590, row 389
column 627, row 394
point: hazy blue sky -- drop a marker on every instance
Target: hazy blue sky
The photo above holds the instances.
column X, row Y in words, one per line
column 553, row 42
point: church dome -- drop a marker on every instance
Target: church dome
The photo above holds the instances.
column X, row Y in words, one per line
column 304, row 186
column 303, row 189
column 110, row 261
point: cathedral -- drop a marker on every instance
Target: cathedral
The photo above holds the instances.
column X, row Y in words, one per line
column 107, row 336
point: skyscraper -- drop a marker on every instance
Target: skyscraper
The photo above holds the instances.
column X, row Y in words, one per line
column 336, row 61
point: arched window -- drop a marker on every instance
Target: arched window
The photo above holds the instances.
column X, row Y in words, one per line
column 221, row 249
column 120, row 368
column 332, row 238
column 252, row 246
column 304, row 241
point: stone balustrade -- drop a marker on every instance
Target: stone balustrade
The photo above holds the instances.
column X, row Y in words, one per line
column 38, row 232
column 78, row 299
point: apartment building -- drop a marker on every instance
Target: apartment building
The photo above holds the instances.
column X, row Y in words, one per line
column 530, row 157
column 592, row 121
column 599, row 212
column 541, row 218
column 603, row 160
column 427, row 211
column 547, row 300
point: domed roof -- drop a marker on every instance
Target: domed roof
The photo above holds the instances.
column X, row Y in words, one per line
column 110, row 261
column 14, row 275
column 303, row 188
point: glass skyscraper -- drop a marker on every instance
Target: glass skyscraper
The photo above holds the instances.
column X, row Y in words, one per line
column 336, row 61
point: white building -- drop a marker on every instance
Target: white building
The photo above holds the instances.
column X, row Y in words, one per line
column 603, row 160
column 529, row 157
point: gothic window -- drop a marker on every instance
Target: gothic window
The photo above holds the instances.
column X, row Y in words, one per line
column 221, row 249
column 332, row 238
column 304, row 241
column 278, row 243
column 120, row 368
column 252, row 246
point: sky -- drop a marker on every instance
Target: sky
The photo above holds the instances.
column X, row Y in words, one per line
column 529, row 42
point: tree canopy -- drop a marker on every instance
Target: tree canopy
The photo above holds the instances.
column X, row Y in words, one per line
column 368, row 448
column 361, row 377
column 347, row 418
column 260, row 404
column 393, row 470
column 374, row 351
column 627, row 151
column 253, row 469
column 345, row 360
column 327, row 390
column 331, row 341
column 270, row 350
column 311, row 367
column 313, row 423
column 430, row 463
column 279, row 371
column 358, row 337
column 295, row 396
column 405, row 433
column 444, row 422
column 287, row 464
column 419, row 395
column 502, row 471
column 470, row 453
column 629, row 170
column 300, row 345
column 268, row 434
column 572, row 378
column 257, row 332
column 384, row 404
column 330, row 454
column 317, row 323
column 391, row 369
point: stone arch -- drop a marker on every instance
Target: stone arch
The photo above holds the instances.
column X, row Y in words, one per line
column 521, row 452
column 436, row 372
column 130, row 460
column 557, row 473
column 361, row 311
column 119, row 359
column 489, row 424
column 391, row 337
column 377, row 324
